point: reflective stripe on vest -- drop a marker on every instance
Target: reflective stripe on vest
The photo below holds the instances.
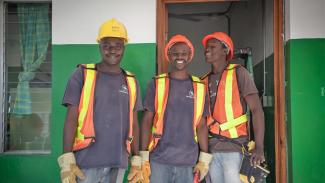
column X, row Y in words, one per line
column 130, row 79
column 85, row 132
column 228, row 118
column 161, row 96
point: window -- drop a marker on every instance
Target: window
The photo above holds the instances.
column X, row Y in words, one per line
column 27, row 82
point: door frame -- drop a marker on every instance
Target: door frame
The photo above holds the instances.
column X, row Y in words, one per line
column 279, row 90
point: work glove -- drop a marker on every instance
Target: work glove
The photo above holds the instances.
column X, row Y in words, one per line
column 69, row 168
column 135, row 174
column 145, row 167
column 203, row 165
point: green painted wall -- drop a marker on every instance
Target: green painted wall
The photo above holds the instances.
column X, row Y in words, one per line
column 305, row 75
column 138, row 58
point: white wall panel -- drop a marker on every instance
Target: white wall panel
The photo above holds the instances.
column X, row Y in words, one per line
column 306, row 19
column 77, row 21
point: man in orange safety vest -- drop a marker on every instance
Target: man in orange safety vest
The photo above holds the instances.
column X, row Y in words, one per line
column 230, row 90
column 174, row 121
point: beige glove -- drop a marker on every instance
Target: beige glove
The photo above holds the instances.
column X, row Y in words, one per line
column 145, row 167
column 135, row 174
column 203, row 165
column 69, row 169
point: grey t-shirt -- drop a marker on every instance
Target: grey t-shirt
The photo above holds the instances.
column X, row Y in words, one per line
column 111, row 119
column 246, row 87
column 177, row 145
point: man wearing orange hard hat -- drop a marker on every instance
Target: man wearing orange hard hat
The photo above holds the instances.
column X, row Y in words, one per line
column 230, row 90
column 101, row 126
column 174, row 122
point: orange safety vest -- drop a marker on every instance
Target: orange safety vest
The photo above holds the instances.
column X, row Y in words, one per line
column 228, row 118
column 161, row 96
column 85, row 134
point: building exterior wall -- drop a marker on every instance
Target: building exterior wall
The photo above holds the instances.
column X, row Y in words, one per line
column 305, row 109
column 77, row 22
column 305, row 89
column 74, row 31
column 304, row 19
column 75, row 25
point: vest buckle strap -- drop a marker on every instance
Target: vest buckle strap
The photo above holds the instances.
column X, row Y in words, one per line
column 157, row 136
column 130, row 139
column 213, row 123
column 91, row 137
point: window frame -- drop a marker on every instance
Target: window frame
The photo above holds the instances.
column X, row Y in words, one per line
column 3, row 113
column 2, row 91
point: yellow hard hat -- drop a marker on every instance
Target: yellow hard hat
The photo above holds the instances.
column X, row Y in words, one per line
column 112, row 28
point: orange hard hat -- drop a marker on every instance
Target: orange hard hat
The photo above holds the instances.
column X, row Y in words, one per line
column 224, row 38
column 178, row 39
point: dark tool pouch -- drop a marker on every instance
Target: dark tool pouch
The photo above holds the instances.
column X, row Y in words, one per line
column 248, row 173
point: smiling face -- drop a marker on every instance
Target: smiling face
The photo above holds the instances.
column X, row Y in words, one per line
column 111, row 50
column 179, row 56
column 215, row 51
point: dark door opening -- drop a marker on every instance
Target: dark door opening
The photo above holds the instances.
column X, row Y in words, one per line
column 255, row 27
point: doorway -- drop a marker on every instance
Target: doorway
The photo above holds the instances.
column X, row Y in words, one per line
column 256, row 29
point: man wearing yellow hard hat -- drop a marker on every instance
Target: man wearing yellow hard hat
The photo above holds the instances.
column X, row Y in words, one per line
column 101, row 126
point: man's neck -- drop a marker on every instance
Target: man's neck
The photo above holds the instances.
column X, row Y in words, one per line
column 110, row 69
column 181, row 75
column 218, row 67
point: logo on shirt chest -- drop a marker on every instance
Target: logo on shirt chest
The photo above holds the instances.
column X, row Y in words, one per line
column 211, row 92
column 124, row 89
column 190, row 94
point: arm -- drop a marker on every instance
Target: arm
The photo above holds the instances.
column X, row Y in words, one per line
column 67, row 161
column 146, row 125
column 135, row 173
column 146, row 129
column 202, row 167
column 202, row 133
column 135, row 143
column 71, row 100
column 258, row 124
column 70, row 127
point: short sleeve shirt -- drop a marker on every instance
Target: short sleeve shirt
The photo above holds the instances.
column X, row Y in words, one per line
column 111, row 119
column 177, row 146
column 246, row 87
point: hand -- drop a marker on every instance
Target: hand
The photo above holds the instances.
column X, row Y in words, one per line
column 203, row 165
column 135, row 174
column 146, row 171
column 201, row 169
column 257, row 156
column 145, row 166
column 69, row 169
